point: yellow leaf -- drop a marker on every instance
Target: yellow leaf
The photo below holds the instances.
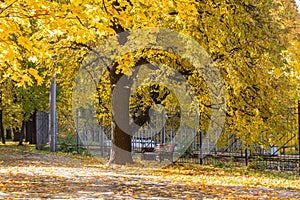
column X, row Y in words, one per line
column 36, row 75
column 277, row 72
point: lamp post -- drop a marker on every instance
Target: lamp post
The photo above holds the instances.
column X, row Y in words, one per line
column 299, row 134
column 53, row 127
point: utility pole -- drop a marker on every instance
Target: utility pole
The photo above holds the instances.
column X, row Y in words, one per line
column 299, row 134
column 53, row 127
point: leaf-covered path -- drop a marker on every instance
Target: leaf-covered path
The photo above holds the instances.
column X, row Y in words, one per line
column 31, row 175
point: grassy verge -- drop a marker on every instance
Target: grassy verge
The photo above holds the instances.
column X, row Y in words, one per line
column 30, row 148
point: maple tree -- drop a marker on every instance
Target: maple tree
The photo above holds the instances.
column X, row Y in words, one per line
column 246, row 40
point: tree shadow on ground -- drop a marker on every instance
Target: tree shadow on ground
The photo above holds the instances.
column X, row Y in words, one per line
column 47, row 176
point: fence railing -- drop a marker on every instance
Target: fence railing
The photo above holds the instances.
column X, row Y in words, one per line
column 233, row 152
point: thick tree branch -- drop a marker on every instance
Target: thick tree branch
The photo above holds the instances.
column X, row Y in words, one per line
column 8, row 6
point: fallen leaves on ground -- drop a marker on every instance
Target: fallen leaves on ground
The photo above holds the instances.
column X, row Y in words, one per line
column 32, row 175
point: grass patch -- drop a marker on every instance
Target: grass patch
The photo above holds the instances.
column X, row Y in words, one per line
column 31, row 148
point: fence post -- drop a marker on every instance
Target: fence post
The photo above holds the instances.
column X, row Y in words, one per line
column 77, row 134
column 200, row 149
column 171, row 135
column 163, row 127
column 101, row 133
column 246, row 156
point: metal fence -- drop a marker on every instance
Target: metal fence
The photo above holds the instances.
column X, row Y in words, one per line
column 231, row 151
column 97, row 140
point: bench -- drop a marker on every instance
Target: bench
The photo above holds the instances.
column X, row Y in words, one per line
column 162, row 151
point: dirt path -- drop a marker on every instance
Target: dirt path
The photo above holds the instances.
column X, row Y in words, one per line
column 28, row 175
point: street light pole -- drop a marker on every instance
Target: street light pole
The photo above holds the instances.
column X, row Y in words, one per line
column 53, row 127
column 299, row 134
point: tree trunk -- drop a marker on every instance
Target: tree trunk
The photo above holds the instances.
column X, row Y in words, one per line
column 8, row 134
column 121, row 146
column 31, row 129
column 1, row 122
column 1, row 128
column 21, row 133
column 16, row 135
column 27, row 134
column 121, row 139
column 121, row 128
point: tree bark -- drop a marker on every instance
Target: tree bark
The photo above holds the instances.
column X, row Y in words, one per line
column 21, row 133
column 8, row 134
column 16, row 135
column 120, row 136
column 1, row 128
column 31, row 129
column 121, row 146
column 27, row 134
column 121, row 128
column 1, row 122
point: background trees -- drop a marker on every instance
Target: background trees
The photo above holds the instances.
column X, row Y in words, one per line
column 247, row 40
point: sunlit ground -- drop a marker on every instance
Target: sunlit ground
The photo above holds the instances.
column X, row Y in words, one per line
column 32, row 175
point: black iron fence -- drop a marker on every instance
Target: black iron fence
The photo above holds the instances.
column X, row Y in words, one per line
column 228, row 151
column 232, row 152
